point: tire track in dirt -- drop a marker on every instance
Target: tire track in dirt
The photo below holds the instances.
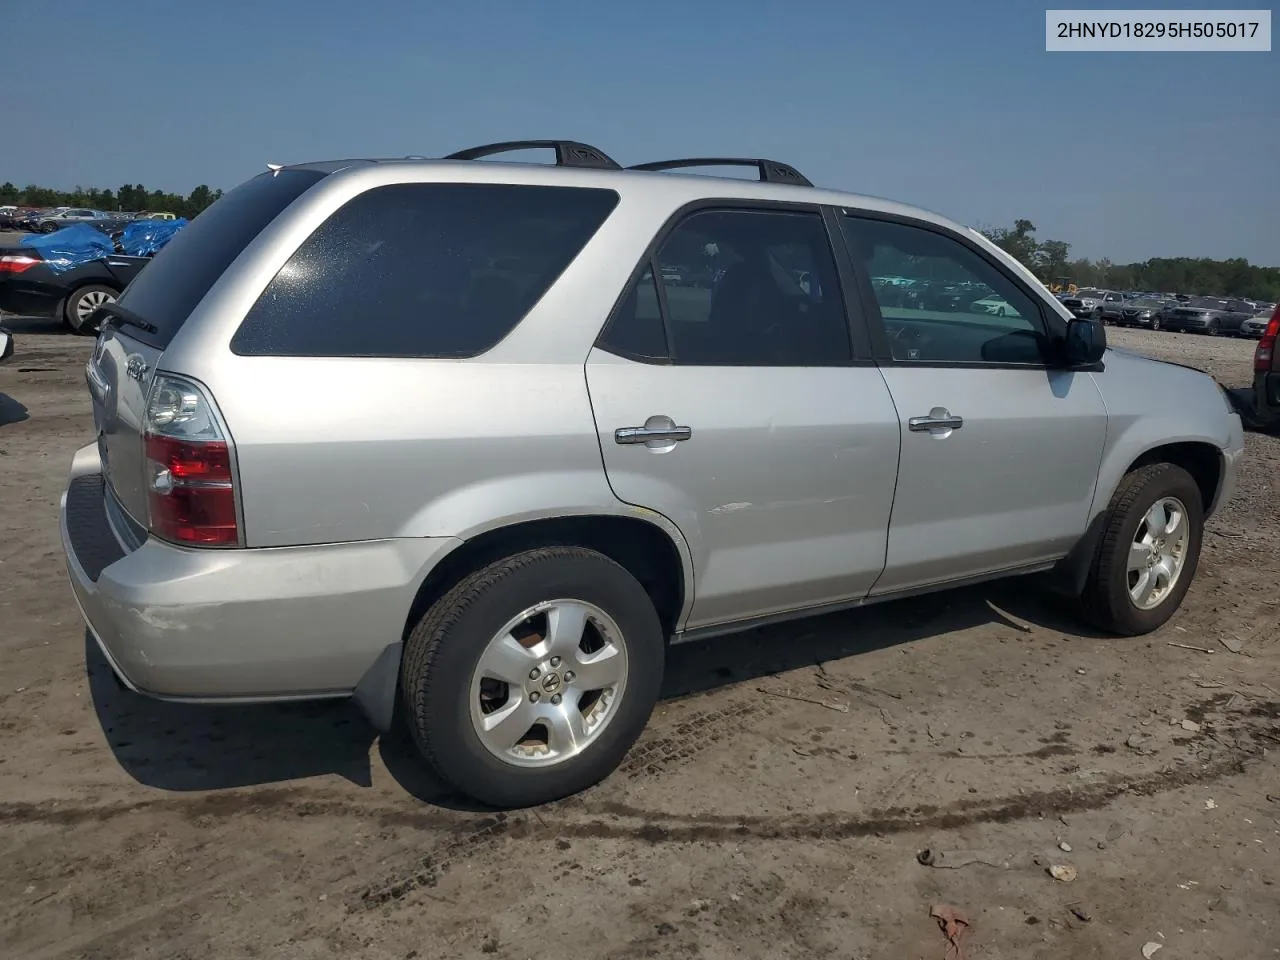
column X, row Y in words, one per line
column 584, row 818
column 659, row 752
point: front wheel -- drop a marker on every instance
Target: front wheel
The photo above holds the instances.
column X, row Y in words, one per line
column 531, row 679
column 1155, row 324
column 81, row 305
column 1148, row 553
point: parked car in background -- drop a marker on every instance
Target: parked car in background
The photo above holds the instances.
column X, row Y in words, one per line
column 1111, row 308
column 1140, row 313
column 509, row 590
column 1085, row 303
column 1234, row 315
column 30, row 223
column 1255, row 326
column 1197, row 315
column 56, row 221
column 29, row 286
column 13, row 216
column 154, row 216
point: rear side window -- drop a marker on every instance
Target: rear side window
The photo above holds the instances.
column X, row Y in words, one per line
column 181, row 274
column 422, row 270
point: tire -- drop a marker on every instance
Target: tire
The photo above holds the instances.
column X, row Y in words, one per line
column 442, row 690
column 1155, row 324
column 82, row 302
column 1107, row 601
column 48, row 228
column 1212, row 329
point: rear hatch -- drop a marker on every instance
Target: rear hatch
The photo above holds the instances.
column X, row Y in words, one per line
column 162, row 297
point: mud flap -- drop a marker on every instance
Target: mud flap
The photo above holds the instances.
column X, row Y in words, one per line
column 375, row 694
column 1070, row 574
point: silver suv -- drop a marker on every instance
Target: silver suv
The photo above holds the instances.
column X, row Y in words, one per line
column 473, row 442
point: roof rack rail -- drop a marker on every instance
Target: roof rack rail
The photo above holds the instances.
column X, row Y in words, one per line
column 569, row 153
column 771, row 171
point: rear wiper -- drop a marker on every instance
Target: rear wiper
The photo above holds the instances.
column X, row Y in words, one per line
column 124, row 317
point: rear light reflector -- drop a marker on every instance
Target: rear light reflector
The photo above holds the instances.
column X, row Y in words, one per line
column 17, row 263
column 191, row 494
column 1265, row 356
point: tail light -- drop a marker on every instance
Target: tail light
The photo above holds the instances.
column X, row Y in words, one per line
column 1264, row 357
column 17, row 262
column 191, row 494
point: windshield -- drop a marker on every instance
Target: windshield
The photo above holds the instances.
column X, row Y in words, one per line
column 1146, row 304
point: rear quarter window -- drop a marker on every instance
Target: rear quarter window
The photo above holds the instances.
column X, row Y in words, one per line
column 422, row 270
column 177, row 279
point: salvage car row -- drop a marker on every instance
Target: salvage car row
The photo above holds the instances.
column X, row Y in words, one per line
column 1215, row 316
column 37, row 220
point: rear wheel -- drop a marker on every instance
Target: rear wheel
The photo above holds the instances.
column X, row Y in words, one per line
column 1155, row 324
column 1148, row 553
column 532, row 677
column 80, row 305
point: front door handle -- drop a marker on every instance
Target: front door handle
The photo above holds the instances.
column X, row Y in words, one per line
column 939, row 419
column 649, row 434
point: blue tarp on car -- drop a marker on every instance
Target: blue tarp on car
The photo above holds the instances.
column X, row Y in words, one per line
column 70, row 246
column 142, row 238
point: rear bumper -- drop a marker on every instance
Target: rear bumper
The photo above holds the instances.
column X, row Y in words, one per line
column 236, row 625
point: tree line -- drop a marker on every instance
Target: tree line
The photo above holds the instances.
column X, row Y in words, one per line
column 1198, row 276
column 130, row 198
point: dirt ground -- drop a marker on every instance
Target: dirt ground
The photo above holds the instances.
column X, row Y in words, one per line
column 984, row 726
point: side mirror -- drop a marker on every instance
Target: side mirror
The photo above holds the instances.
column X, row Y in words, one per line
column 1085, row 343
column 6, row 345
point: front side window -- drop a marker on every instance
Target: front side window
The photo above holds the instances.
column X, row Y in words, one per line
column 752, row 288
column 941, row 301
column 422, row 270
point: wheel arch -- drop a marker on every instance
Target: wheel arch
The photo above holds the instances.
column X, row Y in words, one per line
column 1202, row 459
column 652, row 551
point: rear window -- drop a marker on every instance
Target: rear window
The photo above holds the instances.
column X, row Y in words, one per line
column 169, row 288
column 422, row 270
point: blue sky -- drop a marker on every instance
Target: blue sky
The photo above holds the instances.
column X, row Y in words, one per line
column 944, row 104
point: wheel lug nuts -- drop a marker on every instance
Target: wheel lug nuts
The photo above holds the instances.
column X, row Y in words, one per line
column 534, row 673
column 568, row 676
column 535, row 697
column 555, row 661
column 556, row 699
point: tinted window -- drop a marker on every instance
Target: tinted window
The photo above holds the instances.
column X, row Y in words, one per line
column 636, row 328
column 941, row 301
column 422, row 270
column 186, row 267
column 753, row 287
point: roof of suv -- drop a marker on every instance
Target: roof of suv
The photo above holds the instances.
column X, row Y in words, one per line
column 691, row 186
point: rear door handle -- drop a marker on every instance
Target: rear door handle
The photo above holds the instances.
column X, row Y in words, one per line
column 651, row 434
column 936, row 420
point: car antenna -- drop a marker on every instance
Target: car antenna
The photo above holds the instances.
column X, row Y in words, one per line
column 275, row 168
